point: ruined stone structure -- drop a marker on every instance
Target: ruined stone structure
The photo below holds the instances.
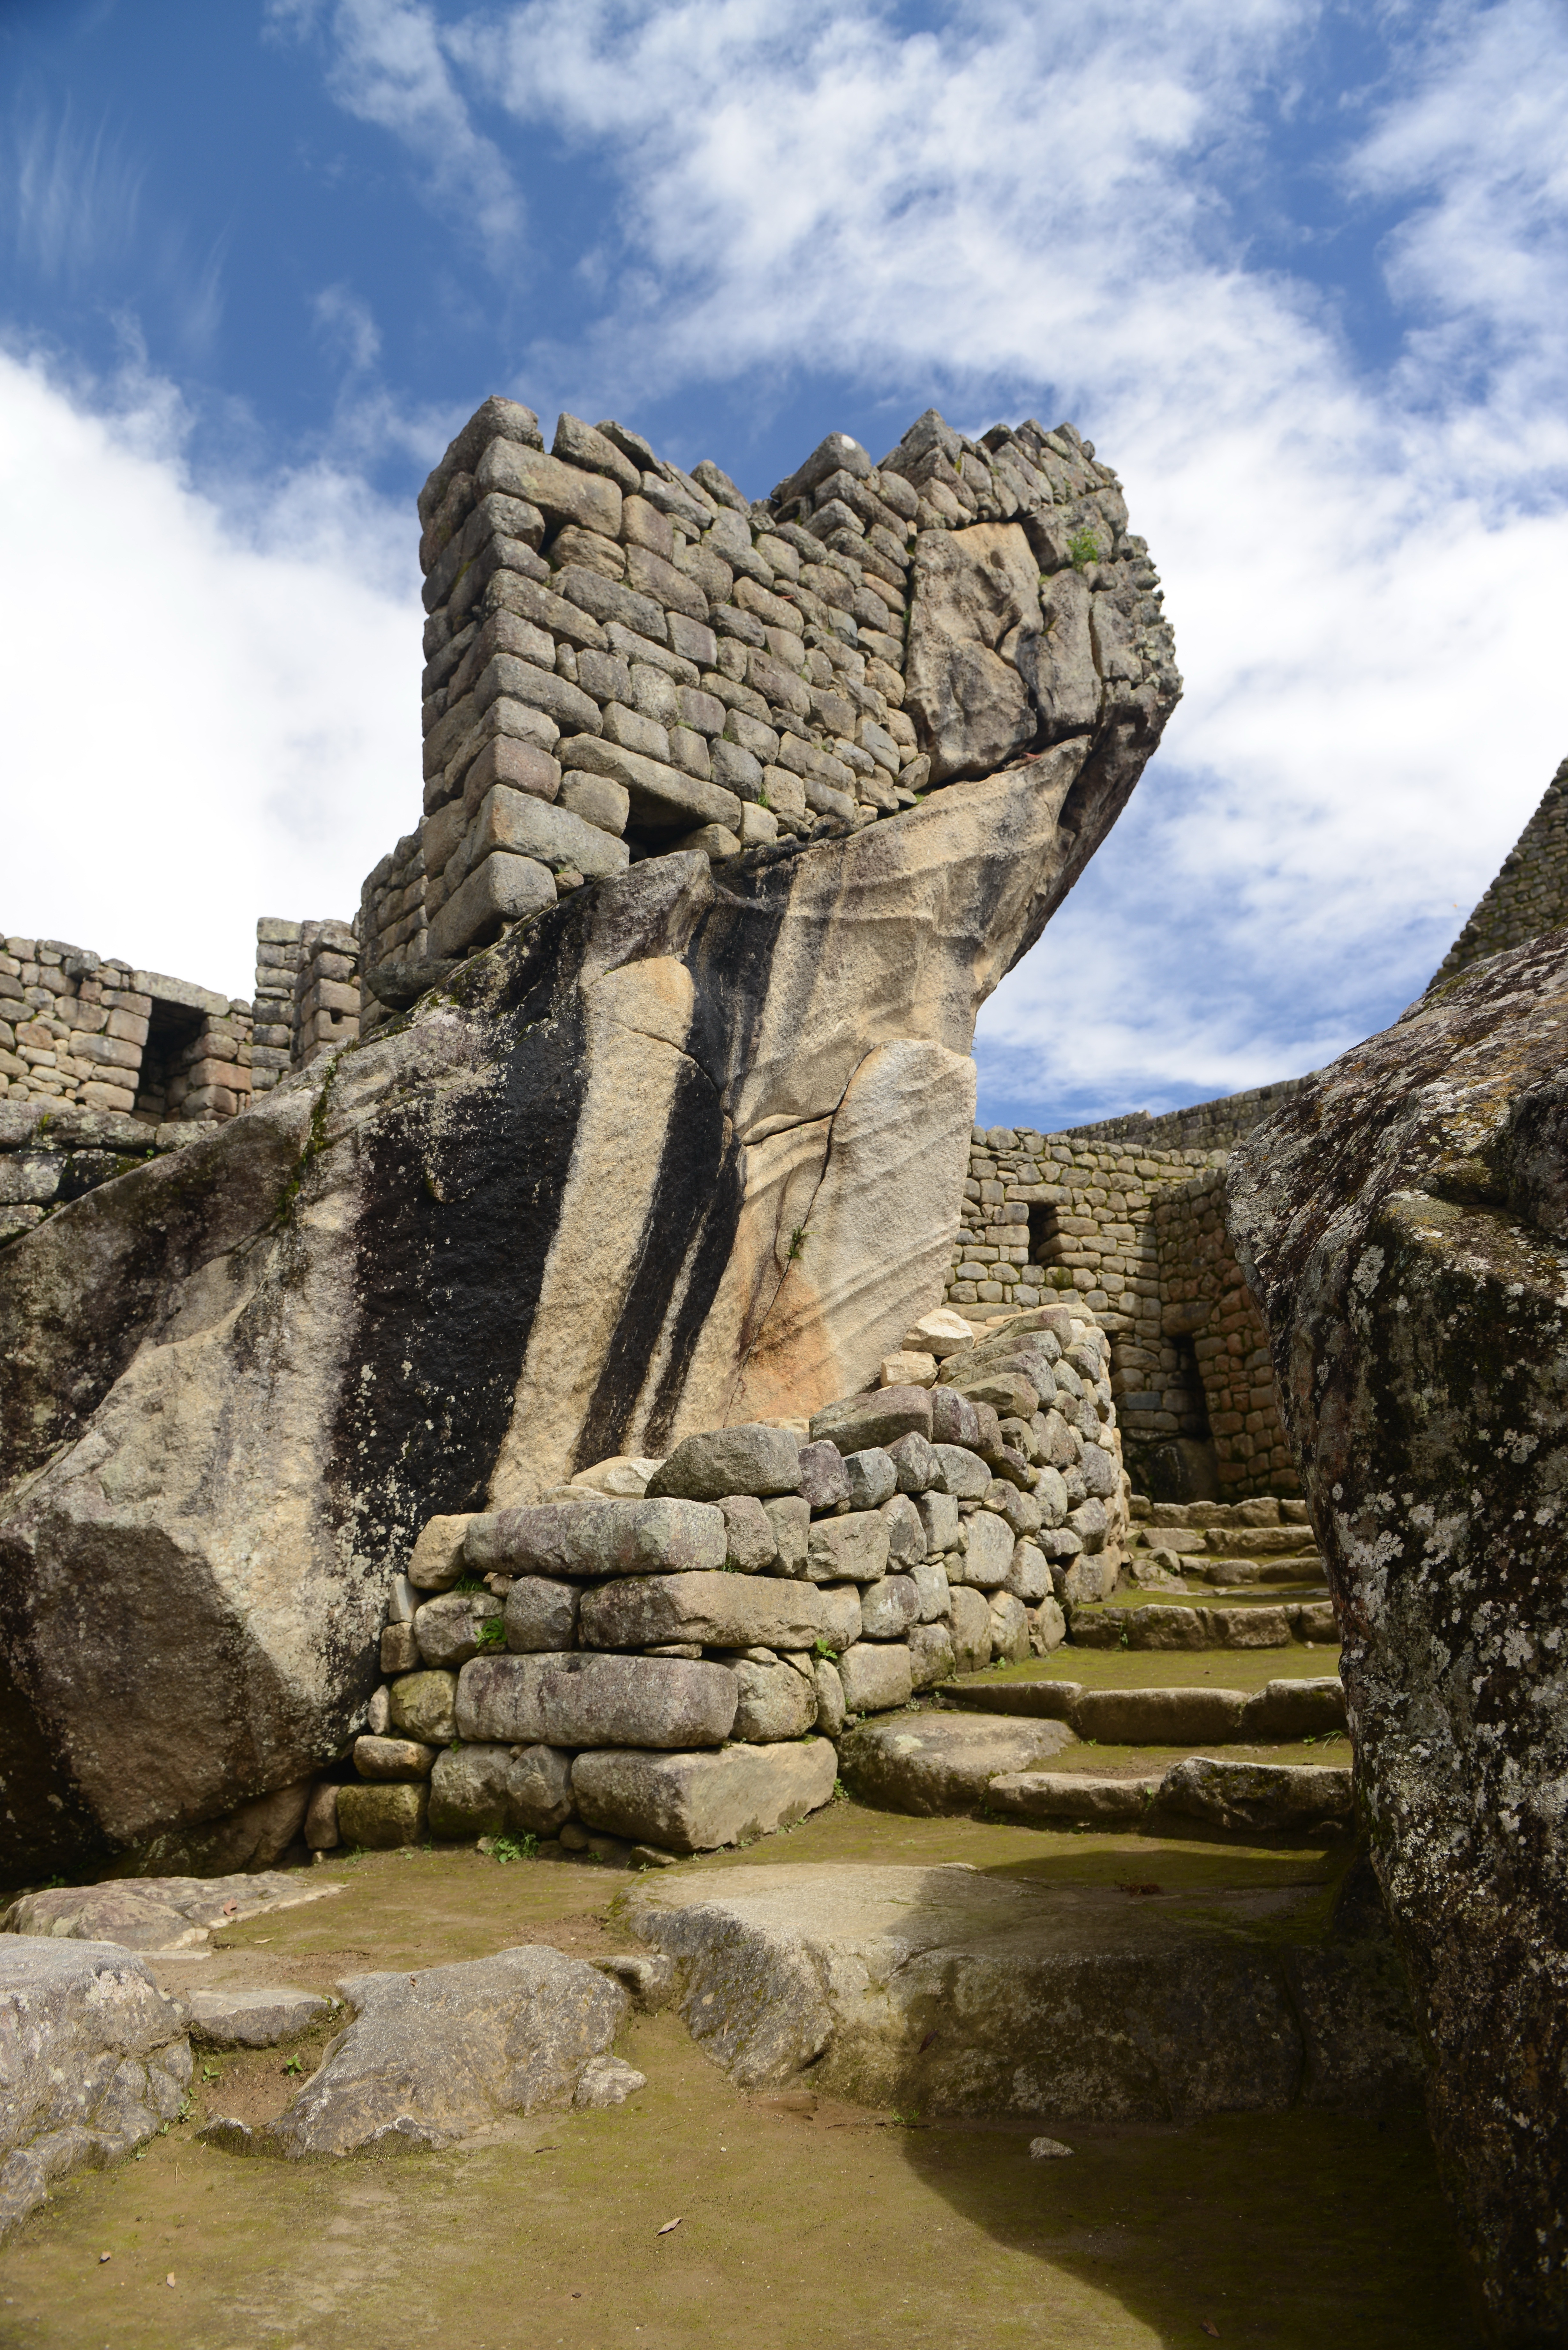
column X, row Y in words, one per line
column 1134, row 1226
column 97, row 1034
column 755, row 805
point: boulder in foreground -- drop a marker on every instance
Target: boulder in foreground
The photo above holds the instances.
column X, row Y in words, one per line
column 93, row 2060
column 433, row 2056
column 947, row 1991
column 1403, row 1223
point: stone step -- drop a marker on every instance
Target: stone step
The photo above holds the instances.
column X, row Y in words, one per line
column 954, row 1991
column 1235, row 1797
column 1174, row 1716
column 1159, row 1625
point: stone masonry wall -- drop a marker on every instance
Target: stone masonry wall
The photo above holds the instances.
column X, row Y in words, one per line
column 1204, row 1297
column 624, row 658
column 97, row 1034
column 1045, row 1213
column 308, row 994
column 1530, row 894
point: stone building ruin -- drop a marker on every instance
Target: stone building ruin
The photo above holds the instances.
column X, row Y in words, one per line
column 565, row 1364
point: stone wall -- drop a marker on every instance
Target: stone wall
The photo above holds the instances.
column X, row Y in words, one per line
column 624, row 658
column 308, row 994
column 645, row 1656
column 1204, row 1298
column 1136, row 1232
column 1530, row 894
column 1202, row 1125
column 96, row 1034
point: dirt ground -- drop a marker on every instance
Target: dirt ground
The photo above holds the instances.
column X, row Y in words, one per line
column 802, row 2223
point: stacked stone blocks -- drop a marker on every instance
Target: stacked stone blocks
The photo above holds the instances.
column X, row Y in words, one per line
column 642, row 1656
column 1530, row 894
column 100, row 1036
column 1082, row 1212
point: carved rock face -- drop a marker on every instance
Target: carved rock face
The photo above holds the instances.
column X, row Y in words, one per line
column 680, row 1151
column 1402, row 1221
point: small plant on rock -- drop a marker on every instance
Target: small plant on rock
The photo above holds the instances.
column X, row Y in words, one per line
column 502, row 1848
column 493, row 1633
column 1083, row 548
column 823, row 1647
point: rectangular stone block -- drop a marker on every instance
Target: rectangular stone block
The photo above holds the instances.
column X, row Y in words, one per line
column 586, row 1540
column 661, row 798
column 875, row 1675
column 381, row 1818
column 505, row 676
column 562, row 493
column 580, row 1699
column 524, row 825
column 850, row 1549
column 1159, row 1717
column 716, row 1611
column 696, row 1803
column 597, row 800
column 503, row 889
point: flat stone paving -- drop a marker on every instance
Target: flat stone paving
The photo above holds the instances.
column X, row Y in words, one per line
column 803, row 2219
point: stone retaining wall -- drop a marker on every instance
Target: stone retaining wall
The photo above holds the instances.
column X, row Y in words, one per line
column 596, row 1663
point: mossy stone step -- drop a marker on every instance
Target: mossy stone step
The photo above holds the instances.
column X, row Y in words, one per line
column 1165, row 1624
column 1176, row 1716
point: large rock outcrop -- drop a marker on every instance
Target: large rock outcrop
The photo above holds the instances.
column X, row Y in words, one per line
column 1404, row 1221
column 683, row 1149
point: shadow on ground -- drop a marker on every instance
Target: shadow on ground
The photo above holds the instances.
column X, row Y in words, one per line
column 801, row 2226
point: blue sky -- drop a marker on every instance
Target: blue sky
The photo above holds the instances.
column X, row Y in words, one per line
column 1298, row 270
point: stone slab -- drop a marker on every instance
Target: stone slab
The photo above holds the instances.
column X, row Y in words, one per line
column 930, row 1764
column 159, row 1913
column 596, row 1537
column 252, row 2019
column 581, row 1699
column 697, row 1803
column 716, row 1611
column 950, row 1990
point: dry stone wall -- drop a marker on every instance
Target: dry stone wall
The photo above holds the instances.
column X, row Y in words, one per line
column 1530, row 894
column 1137, row 1232
column 102, row 1067
column 624, row 658
column 660, row 1654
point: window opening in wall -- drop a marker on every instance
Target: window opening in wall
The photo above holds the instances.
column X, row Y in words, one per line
column 160, row 1088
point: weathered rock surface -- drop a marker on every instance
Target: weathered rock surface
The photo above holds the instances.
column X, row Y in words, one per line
column 252, row 2019
column 1403, row 1223
column 158, row 1913
column 716, row 1611
column 948, row 1990
column 589, row 1701
column 433, row 2056
column 935, row 1762
column 93, row 2060
column 494, row 1790
column 695, row 1802
column 683, row 1149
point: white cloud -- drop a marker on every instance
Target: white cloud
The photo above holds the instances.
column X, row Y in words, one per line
column 389, row 68
column 1010, row 208
column 214, row 709
column 1361, row 565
